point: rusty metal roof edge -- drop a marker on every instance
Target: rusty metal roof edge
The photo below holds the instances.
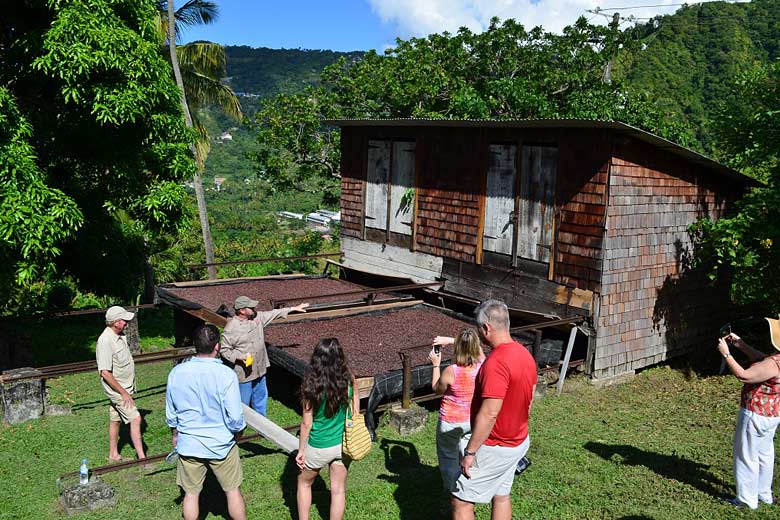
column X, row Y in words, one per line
column 632, row 131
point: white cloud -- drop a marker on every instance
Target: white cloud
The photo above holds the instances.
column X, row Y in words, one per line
column 423, row 17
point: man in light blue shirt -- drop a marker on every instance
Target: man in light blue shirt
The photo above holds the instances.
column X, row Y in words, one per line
column 203, row 408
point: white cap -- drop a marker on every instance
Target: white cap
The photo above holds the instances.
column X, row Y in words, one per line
column 118, row 313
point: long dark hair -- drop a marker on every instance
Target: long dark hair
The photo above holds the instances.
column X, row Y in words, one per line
column 327, row 377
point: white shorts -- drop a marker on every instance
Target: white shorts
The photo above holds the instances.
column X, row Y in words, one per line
column 492, row 473
column 317, row 458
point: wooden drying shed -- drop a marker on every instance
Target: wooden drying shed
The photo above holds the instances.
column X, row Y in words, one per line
column 560, row 217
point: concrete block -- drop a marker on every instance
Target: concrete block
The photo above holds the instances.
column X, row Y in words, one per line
column 78, row 498
column 24, row 400
column 407, row 421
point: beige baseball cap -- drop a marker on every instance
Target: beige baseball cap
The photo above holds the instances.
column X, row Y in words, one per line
column 244, row 302
column 118, row 313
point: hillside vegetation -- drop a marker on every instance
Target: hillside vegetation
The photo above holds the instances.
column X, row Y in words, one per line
column 691, row 58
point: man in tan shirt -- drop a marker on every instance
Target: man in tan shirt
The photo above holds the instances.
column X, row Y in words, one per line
column 243, row 347
column 117, row 374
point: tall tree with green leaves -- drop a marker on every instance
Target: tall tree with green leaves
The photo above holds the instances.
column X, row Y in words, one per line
column 506, row 72
column 746, row 245
column 197, row 68
column 93, row 147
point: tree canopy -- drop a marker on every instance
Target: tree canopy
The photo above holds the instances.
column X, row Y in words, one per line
column 505, row 72
column 94, row 113
column 746, row 244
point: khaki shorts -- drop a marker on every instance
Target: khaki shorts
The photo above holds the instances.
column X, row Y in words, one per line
column 191, row 472
column 317, row 458
column 492, row 474
column 117, row 411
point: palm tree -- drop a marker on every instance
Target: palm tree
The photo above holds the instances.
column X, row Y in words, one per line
column 197, row 68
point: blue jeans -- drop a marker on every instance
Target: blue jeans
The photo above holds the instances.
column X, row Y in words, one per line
column 255, row 394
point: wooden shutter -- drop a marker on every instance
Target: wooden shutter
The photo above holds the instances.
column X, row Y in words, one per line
column 500, row 198
column 537, row 199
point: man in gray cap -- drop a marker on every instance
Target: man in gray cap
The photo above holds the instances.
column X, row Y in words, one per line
column 117, row 373
column 243, row 347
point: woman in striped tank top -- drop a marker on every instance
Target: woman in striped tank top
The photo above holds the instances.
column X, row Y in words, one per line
column 456, row 386
column 759, row 417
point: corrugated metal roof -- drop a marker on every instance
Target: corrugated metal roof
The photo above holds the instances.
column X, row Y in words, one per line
column 638, row 133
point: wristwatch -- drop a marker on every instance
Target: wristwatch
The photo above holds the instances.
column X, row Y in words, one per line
column 727, row 355
column 467, row 453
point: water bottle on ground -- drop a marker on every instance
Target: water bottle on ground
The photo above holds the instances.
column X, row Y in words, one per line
column 83, row 473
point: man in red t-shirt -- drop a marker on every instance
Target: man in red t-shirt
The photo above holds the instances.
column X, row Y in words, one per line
column 503, row 394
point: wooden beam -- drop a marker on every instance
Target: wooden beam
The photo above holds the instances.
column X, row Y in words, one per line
column 198, row 283
column 566, row 358
column 364, row 386
column 207, row 316
column 270, row 430
column 345, row 312
column 262, row 260
column 481, row 199
column 417, row 162
column 367, row 292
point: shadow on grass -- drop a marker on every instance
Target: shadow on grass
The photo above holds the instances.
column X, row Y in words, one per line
column 418, row 487
column 668, row 466
column 320, row 494
column 212, row 500
column 253, row 450
column 146, row 392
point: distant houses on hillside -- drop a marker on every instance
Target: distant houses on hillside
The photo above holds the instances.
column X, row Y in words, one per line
column 225, row 136
column 320, row 220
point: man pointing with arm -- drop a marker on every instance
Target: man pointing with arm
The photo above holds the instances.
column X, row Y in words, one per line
column 243, row 347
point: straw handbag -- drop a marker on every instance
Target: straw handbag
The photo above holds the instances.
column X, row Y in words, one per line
column 357, row 440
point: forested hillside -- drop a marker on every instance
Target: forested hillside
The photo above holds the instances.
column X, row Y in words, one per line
column 267, row 72
column 691, row 58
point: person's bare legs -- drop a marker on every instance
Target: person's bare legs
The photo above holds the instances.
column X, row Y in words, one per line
column 189, row 506
column 303, row 495
column 502, row 508
column 338, row 490
column 135, row 437
column 235, row 503
column 113, row 441
column 462, row 510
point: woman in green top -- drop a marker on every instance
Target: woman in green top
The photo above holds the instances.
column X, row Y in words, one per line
column 325, row 393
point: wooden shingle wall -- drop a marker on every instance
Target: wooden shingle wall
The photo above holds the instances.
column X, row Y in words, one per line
column 352, row 182
column 652, row 307
column 450, row 180
column 581, row 199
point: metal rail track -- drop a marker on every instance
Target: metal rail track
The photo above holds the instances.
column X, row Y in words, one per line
column 49, row 372
column 263, row 260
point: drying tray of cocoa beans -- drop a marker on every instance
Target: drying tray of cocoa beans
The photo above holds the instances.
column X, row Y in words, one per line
column 371, row 340
column 288, row 289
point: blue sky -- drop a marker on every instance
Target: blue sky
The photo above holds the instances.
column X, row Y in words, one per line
column 342, row 25
column 346, row 25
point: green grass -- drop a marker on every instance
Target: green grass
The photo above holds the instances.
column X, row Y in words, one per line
column 656, row 448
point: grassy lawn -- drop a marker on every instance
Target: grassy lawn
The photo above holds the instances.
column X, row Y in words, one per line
column 656, row 448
